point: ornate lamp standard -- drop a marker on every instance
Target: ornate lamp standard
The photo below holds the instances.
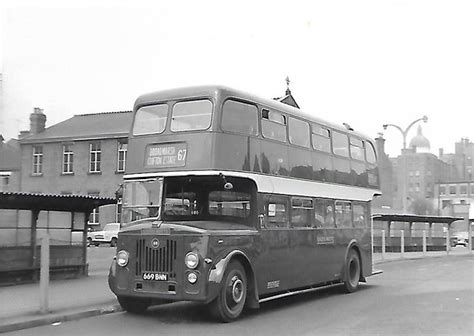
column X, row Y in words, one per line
column 404, row 173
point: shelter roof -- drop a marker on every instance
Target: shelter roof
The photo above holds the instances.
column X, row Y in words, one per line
column 415, row 218
column 85, row 127
column 51, row 202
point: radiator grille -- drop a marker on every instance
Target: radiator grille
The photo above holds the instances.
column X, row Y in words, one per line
column 160, row 259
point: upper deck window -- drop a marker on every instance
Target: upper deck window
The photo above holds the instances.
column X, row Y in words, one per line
column 298, row 132
column 191, row 115
column 357, row 149
column 321, row 138
column 240, row 117
column 340, row 145
column 150, row 119
column 273, row 125
column 370, row 152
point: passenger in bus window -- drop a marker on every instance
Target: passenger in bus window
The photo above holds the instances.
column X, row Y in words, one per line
column 329, row 221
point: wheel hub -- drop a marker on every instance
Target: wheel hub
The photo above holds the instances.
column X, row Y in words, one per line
column 237, row 289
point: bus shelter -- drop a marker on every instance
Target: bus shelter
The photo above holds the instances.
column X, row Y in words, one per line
column 435, row 227
column 26, row 217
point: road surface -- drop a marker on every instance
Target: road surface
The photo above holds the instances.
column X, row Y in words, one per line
column 412, row 297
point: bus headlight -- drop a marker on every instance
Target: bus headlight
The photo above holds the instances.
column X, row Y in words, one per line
column 122, row 258
column 192, row 277
column 191, row 260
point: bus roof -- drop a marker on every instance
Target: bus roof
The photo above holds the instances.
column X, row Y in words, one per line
column 225, row 92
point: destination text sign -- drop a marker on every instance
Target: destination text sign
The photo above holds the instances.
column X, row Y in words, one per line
column 166, row 155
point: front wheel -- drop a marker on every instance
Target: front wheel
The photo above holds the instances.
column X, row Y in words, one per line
column 352, row 272
column 230, row 302
column 133, row 305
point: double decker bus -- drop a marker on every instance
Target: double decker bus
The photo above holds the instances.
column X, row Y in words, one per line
column 233, row 200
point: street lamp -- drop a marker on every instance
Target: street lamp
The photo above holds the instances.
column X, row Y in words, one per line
column 404, row 134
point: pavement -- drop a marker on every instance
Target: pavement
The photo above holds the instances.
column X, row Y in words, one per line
column 89, row 296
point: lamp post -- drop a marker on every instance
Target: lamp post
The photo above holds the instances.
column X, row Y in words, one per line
column 404, row 173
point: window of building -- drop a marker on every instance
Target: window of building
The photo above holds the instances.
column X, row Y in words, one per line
column 273, row 125
column 324, row 213
column 359, row 212
column 463, row 189
column 357, row 149
column 301, row 209
column 298, row 132
column 343, row 214
column 277, row 213
column 321, row 137
column 340, row 144
column 121, row 156
column 94, row 157
column 370, row 155
column 239, row 117
column 442, row 189
column 191, row 115
column 68, row 159
column 4, row 181
column 417, row 187
column 150, row 119
column 417, row 173
column 37, row 160
column 94, row 215
column 452, row 189
column 472, row 190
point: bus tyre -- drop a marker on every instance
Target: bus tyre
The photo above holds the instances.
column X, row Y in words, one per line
column 113, row 242
column 133, row 305
column 230, row 302
column 352, row 272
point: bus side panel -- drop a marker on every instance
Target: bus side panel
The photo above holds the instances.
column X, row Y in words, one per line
column 237, row 152
column 300, row 163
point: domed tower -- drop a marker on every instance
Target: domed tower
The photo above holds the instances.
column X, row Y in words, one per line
column 420, row 143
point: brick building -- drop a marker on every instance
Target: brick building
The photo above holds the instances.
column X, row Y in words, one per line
column 84, row 154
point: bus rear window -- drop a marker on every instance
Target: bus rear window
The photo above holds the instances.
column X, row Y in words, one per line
column 229, row 203
column 191, row 115
column 240, row 117
column 150, row 119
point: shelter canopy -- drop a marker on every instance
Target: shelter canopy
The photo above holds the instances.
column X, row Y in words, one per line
column 52, row 202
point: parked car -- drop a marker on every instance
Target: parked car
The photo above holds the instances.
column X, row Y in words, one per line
column 108, row 235
column 459, row 239
column 90, row 232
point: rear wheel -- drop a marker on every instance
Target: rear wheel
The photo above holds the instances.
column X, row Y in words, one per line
column 230, row 302
column 352, row 272
column 133, row 305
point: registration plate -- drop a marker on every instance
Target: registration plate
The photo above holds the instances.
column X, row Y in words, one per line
column 155, row 276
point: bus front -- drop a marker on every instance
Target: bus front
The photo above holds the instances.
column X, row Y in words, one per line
column 180, row 224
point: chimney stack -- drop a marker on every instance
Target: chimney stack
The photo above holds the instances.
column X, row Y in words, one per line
column 441, row 153
column 37, row 121
column 380, row 144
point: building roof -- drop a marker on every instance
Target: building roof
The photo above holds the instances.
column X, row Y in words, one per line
column 415, row 218
column 419, row 141
column 85, row 127
column 51, row 202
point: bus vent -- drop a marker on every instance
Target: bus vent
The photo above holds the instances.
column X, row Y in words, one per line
column 160, row 259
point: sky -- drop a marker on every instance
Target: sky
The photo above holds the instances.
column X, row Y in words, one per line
column 366, row 63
